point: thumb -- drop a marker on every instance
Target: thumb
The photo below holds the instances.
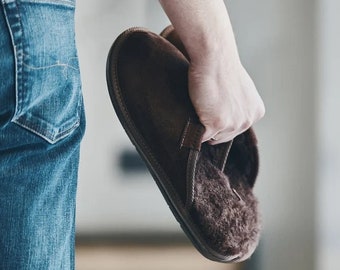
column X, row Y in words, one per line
column 208, row 134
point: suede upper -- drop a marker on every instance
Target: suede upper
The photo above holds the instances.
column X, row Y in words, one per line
column 208, row 188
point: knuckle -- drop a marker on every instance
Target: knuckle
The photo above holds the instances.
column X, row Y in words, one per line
column 246, row 124
column 261, row 111
column 220, row 122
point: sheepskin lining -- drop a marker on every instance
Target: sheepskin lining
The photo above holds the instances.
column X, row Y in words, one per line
column 225, row 209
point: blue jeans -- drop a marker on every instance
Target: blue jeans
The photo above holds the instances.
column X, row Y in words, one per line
column 41, row 126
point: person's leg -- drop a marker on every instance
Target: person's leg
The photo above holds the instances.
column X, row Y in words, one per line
column 41, row 126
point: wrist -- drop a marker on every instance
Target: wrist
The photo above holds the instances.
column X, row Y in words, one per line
column 211, row 45
column 212, row 57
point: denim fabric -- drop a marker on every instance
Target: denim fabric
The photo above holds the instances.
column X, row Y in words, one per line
column 41, row 126
column 46, row 66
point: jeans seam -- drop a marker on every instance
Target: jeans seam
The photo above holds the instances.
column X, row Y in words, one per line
column 68, row 3
column 51, row 138
column 17, row 43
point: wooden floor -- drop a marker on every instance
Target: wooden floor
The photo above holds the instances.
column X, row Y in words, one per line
column 106, row 257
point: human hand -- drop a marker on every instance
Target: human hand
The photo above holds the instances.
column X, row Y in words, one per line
column 223, row 94
column 225, row 99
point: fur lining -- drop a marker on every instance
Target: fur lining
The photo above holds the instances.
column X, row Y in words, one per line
column 226, row 211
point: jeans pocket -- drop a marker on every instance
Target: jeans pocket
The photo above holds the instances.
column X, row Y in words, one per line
column 48, row 87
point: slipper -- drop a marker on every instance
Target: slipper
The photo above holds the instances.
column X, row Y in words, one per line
column 209, row 189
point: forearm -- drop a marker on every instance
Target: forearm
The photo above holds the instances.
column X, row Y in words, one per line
column 203, row 26
column 223, row 94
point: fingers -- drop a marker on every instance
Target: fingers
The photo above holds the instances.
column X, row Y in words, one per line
column 227, row 129
column 224, row 135
column 226, row 100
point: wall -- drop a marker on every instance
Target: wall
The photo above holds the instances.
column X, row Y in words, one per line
column 328, row 135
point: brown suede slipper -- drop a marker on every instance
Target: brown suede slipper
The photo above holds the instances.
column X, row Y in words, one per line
column 208, row 188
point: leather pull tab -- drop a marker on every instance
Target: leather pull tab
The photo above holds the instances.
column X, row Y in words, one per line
column 222, row 155
column 192, row 135
column 217, row 154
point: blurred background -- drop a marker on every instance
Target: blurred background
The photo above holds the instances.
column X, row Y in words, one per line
column 291, row 50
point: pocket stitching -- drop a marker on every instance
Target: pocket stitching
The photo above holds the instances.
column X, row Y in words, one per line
column 42, row 128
